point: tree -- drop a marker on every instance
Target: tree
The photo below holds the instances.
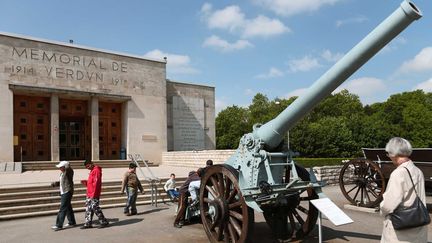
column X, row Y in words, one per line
column 231, row 124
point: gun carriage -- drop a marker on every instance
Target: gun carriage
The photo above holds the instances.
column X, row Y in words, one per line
column 363, row 180
column 262, row 176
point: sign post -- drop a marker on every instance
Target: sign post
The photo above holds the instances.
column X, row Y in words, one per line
column 332, row 212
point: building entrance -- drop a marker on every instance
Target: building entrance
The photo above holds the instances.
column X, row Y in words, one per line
column 74, row 130
column 31, row 128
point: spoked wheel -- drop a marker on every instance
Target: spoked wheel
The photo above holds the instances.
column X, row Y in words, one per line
column 297, row 216
column 224, row 213
column 362, row 182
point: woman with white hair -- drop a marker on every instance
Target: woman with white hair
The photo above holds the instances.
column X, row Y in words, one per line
column 401, row 192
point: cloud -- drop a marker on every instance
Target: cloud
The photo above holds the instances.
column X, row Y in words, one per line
column 425, row 86
column 178, row 64
column 364, row 87
column 224, row 46
column 353, row 20
column 303, row 64
column 421, row 62
column 292, row 7
column 297, row 92
column 232, row 19
column 262, row 26
column 272, row 73
column 331, row 57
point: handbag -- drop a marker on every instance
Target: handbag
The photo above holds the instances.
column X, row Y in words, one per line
column 413, row 216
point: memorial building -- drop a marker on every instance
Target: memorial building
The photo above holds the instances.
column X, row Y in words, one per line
column 61, row 101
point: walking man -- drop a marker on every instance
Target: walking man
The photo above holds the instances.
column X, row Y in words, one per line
column 66, row 191
column 94, row 187
column 132, row 184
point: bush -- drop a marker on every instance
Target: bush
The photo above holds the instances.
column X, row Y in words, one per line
column 311, row 162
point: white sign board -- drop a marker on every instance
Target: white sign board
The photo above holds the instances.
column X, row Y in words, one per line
column 331, row 211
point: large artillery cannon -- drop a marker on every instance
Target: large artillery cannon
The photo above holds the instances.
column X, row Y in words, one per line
column 262, row 176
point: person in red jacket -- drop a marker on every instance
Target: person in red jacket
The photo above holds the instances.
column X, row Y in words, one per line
column 94, row 186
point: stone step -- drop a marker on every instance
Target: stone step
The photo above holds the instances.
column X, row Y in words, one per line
column 76, row 209
column 75, row 203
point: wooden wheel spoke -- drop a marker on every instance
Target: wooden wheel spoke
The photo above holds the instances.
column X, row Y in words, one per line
column 234, row 205
column 232, row 232
column 352, row 189
column 231, row 195
column 220, row 184
column 372, row 191
column 358, row 190
column 292, row 223
column 228, row 188
column 236, row 225
column 298, row 217
column 215, row 186
column 236, row 215
column 302, row 209
column 212, row 192
column 207, row 200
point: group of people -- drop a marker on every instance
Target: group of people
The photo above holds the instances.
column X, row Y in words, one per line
column 130, row 184
column 401, row 191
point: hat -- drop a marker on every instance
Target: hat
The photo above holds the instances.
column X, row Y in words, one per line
column 132, row 165
column 63, row 164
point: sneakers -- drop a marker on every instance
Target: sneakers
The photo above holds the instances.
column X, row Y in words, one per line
column 70, row 225
column 86, row 226
column 103, row 225
column 56, row 228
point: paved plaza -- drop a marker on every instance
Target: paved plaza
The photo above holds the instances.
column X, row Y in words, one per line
column 154, row 224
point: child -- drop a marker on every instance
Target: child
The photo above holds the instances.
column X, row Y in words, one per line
column 170, row 187
column 131, row 181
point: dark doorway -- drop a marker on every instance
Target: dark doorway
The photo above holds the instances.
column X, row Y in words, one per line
column 74, row 130
column 71, row 139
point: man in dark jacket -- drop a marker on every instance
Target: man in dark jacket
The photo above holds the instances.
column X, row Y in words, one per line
column 66, row 192
column 94, row 188
column 184, row 193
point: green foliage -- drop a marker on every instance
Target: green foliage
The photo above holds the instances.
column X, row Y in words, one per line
column 312, row 162
column 339, row 126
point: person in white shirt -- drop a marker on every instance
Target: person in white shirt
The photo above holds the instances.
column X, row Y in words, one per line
column 170, row 187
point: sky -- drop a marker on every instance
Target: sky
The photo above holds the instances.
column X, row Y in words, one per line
column 274, row 47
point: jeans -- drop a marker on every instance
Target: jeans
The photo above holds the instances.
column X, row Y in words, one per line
column 92, row 207
column 131, row 200
column 173, row 193
column 65, row 210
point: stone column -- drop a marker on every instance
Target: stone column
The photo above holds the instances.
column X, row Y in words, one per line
column 6, row 125
column 94, row 112
column 55, row 144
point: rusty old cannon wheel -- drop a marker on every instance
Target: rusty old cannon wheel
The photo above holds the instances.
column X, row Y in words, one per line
column 224, row 213
column 362, row 182
column 295, row 218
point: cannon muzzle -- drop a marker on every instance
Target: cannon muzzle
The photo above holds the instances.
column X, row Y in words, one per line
column 273, row 132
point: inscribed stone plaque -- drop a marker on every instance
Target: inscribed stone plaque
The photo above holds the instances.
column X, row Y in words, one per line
column 188, row 123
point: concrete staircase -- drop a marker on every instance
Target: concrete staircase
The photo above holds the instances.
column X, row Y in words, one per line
column 23, row 202
column 78, row 164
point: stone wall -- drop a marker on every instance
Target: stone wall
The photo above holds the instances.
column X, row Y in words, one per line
column 195, row 159
column 328, row 174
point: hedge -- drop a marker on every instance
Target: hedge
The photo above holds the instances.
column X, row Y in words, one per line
column 311, row 162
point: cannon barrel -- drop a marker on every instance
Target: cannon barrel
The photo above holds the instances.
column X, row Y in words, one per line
column 272, row 133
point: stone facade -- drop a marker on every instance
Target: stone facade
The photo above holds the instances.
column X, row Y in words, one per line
column 41, row 68
column 191, row 117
